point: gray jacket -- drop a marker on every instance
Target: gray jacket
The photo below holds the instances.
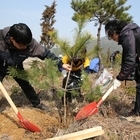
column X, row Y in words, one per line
column 10, row 56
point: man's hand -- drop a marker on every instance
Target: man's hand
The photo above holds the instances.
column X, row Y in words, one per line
column 66, row 67
column 120, row 77
column 130, row 77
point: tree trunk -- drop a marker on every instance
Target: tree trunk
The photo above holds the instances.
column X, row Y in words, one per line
column 99, row 50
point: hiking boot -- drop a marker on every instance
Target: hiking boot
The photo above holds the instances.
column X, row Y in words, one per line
column 132, row 116
column 42, row 107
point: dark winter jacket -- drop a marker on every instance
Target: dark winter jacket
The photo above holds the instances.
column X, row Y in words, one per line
column 127, row 40
column 10, row 56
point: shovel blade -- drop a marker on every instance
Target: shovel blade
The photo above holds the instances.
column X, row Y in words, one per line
column 26, row 124
column 29, row 126
column 86, row 111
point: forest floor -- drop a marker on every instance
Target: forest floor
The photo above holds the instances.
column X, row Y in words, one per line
column 51, row 123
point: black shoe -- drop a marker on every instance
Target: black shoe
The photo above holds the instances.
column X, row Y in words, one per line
column 42, row 107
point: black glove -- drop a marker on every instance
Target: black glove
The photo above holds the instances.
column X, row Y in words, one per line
column 122, row 77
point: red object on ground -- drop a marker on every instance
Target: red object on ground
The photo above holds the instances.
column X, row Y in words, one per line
column 92, row 108
column 26, row 124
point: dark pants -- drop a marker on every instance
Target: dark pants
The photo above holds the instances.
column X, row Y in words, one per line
column 27, row 88
column 137, row 79
column 137, row 103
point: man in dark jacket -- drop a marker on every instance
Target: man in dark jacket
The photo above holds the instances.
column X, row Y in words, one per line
column 122, row 32
column 16, row 45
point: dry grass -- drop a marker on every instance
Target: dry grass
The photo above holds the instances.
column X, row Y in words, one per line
column 108, row 116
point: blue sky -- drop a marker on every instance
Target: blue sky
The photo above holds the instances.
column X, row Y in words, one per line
column 30, row 12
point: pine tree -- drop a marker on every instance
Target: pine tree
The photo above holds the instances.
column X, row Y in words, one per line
column 100, row 11
column 81, row 40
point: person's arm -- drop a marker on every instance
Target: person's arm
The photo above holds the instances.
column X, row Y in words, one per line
column 128, row 58
column 37, row 50
column 64, row 62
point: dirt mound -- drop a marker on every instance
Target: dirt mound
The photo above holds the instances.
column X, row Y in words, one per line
column 10, row 127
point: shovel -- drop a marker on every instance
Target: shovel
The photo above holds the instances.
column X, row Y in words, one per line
column 92, row 108
column 26, row 124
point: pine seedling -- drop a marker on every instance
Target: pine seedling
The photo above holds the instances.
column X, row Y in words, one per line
column 42, row 75
column 94, row 94
column 75, row 50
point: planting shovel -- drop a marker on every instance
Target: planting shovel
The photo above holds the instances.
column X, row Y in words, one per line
column 26, row 124
column 92, row 108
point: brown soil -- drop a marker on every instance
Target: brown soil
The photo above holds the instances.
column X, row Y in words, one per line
column 52, row 124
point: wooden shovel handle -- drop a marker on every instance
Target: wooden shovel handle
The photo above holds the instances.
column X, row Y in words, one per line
column 114, row 86
column 8, row 98
column 26, row 124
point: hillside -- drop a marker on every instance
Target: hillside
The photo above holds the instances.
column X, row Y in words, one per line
column 105, row 45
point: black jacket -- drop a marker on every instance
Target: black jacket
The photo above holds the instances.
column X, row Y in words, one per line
column 127, row 40
column 10, row 56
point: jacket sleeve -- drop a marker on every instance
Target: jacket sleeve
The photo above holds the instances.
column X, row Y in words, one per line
column 128, row 57
column 65, row 59
column 49, row 55
column 86, row 64
column 37, row 50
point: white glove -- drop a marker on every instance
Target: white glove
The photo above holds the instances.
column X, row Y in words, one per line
column 116, row 84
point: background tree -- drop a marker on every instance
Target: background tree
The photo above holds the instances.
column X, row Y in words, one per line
column 47, row 25
column 100, row 11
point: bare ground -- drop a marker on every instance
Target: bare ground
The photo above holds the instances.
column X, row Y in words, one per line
column 51, row 123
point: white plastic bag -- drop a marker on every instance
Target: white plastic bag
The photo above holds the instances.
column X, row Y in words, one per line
column 104, row 80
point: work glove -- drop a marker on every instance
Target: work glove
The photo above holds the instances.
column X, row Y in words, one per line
column 116, row 84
